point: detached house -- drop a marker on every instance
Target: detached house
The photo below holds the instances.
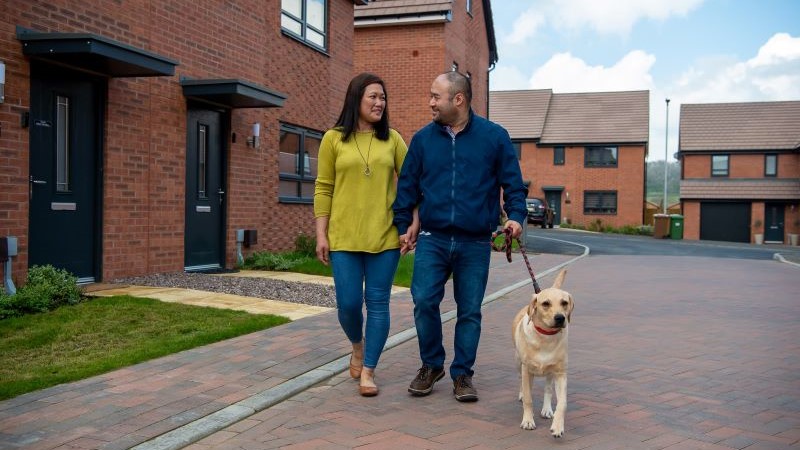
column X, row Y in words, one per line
column 583, row 153
column 409, row 42
column 740, row 171
column 141, row 138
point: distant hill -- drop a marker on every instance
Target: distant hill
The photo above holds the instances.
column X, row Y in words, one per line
column 654, row 184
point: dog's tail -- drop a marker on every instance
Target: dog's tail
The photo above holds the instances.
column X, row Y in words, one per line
column 560, row 279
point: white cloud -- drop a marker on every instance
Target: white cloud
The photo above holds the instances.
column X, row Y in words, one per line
column 566, row 73
column 614, row 16
column 525, row 26
column 773, row 74
column 602, row 16
column 508, row 78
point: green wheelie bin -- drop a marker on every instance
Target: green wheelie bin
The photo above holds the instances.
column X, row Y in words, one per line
column 676, row 226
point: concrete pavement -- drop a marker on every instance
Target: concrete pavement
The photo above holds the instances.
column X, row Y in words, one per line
column 665, row 352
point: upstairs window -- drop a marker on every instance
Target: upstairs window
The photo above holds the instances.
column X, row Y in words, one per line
column 719, row 165
column 558, row 156
column 600, row 156
column 770, row 165
column 297, row 161
column 305, row 20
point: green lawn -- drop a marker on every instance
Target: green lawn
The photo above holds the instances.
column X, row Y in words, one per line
column 312, row 266
column 102, row 334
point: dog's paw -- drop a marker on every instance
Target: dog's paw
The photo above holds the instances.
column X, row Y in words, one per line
column 547, row 412
column 527, row 424
column 557, row 428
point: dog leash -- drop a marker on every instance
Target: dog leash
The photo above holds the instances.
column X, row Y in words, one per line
column 507, row 242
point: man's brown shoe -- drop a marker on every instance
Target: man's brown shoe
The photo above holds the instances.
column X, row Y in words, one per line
column 423, row 382
column 463, row 389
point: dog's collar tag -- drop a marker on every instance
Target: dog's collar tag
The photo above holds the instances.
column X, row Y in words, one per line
column 549, row 332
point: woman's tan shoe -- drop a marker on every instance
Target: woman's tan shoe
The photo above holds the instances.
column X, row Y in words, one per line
column 368, row 391
column 357, row 362
column 355, row 369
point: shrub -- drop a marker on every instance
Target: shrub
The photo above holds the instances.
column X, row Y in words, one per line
column 305, row 245
column 274, row 261
column 45, row 288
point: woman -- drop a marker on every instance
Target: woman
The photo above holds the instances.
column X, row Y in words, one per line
column 359, row 159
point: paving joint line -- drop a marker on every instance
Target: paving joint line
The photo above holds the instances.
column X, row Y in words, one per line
column 203, row 427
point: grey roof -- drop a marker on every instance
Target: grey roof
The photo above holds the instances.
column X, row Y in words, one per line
column 726, row 189
column 401, row 7
column 377, row 9
column 578, row 118
column 740, row 126
column 522, row 113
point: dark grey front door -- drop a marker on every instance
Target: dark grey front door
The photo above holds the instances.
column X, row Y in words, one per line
column 205, row 191
column 773, row 222
column 65, row 145
column 553, row 198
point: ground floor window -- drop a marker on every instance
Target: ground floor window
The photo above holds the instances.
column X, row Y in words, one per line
column 297, row 162
column 600, row 202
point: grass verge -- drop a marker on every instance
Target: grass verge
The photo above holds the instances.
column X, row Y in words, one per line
column 312, row 266
column 102, row 334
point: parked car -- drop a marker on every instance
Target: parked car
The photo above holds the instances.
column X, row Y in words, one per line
column 539, row 212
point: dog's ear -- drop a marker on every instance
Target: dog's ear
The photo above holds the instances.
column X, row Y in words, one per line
column 560, row 279
column 571, row 307
column 532, row 307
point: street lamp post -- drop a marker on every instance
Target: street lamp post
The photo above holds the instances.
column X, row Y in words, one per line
column 666, row 166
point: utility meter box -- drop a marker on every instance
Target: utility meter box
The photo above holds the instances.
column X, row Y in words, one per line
column 8, row 247
column 250, row 237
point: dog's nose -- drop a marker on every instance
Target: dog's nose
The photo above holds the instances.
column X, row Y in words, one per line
column 559, row 320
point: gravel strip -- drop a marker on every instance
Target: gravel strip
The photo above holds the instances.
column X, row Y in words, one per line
column 289, row 291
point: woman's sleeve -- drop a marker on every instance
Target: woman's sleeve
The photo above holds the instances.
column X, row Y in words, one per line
column 400, row 152
column 326, row 176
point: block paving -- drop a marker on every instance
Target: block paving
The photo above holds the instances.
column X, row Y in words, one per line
column 665, row 353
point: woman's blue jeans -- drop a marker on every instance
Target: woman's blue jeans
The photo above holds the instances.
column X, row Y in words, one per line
column 365, row 278
column 435, row 258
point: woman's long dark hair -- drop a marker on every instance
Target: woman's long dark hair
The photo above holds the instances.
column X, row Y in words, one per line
column 348, row 119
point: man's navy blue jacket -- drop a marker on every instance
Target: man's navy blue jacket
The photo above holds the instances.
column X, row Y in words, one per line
column 456, row 181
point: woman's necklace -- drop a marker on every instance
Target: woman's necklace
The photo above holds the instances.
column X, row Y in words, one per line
column 367, row 171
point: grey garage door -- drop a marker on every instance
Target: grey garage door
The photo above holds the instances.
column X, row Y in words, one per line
column 720, row 221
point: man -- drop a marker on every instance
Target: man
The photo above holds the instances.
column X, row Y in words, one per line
column 453, row 173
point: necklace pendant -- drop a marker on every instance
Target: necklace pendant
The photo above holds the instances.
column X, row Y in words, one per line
column 367, row 172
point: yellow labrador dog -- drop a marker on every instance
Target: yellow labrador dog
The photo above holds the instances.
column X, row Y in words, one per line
column 540, row 332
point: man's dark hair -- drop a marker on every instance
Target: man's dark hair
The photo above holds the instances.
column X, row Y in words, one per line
column 459, row 83
column 348, row 118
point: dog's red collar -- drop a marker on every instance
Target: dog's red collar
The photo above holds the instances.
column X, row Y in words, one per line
column 548, row 332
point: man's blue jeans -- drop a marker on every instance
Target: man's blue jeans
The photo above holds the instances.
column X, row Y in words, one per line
column 365, row 278
column 435, row 258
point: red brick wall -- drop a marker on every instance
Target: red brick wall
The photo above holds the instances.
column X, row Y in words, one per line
column 145, row 127
column 627, row 179
column 467, row 45
column 409, row 57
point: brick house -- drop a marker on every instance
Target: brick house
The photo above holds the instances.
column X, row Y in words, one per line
column 583, row 153
column 409, row 42
column 740, row 171
column 127, row 132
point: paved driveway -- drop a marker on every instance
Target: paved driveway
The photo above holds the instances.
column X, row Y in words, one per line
column 665, row 353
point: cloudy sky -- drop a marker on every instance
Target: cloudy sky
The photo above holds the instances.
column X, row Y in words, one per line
column 690, row 51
